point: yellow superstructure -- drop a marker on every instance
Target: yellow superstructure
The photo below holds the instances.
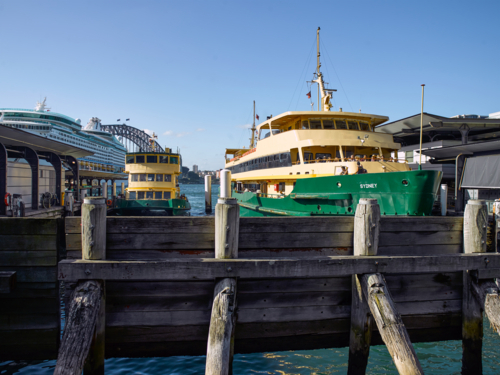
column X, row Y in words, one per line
column 296, row 145
column 152, row 175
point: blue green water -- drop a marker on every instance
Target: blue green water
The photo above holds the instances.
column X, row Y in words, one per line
column 436, row 358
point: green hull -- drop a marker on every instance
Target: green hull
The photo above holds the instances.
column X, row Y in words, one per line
column 398, row 193
column 150, row 207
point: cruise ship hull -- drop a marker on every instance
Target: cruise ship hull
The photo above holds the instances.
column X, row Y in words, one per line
column 398, row 193
column 148, row 207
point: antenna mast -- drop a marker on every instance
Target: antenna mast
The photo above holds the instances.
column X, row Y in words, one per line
column 252, row 140
column 318, row 64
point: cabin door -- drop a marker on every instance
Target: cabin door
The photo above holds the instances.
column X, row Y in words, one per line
column 264, row 187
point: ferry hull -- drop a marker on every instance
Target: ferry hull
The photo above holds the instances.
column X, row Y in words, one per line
column 148, row 207
column 398, row 193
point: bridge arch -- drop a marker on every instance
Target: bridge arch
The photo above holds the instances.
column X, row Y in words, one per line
column 140, row 138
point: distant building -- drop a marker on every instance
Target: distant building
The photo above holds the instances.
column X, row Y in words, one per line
column 465, row 148
column 195, row 168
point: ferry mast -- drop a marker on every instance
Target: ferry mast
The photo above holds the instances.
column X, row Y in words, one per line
column 324, row 94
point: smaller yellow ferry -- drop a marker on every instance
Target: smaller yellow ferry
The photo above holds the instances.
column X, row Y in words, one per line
column 153, row 186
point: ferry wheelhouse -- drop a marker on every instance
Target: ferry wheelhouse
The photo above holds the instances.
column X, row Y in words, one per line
column 322, row 162
column 153, row 186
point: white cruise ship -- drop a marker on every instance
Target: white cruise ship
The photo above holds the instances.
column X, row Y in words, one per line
column 109, row 153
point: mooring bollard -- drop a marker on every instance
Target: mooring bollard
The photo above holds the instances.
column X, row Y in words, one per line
column 220, row 346
column 94, row 228
column 443, row 199
column 225, row 183
column 366, row 233
column 208, row 194
column 475, row 231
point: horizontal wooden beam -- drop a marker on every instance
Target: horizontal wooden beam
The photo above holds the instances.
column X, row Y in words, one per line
column 7, row 281
column 488, row 273
column 209, row 268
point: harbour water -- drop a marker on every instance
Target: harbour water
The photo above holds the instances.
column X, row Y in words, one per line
column 436, row 358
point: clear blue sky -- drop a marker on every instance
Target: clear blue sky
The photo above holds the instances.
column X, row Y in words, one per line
column 189, row 70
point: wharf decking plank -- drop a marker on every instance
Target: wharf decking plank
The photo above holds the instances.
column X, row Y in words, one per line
column 420, row 238
column 27, row 226
column 33, row 274
column 23, row 258
column 33, row 242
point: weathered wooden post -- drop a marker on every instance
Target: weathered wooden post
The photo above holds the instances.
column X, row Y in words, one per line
column 497, row 224
column 377, row 296
column 105, row 190
column 208, row 194
column 443, row 199
column 220, row 346
column 366, row 234
column 82, row 345
column 122, row 191
column 114, row 190
column 475, row 228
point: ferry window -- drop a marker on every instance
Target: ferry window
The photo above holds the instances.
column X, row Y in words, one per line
column 289, row 128
column 315, row 124
column 305, row 124
column 159, row 178
column 340, row 124
column 308, row 156
column 152, row 159
column 323, row 156
column 131, row 195
column 134, row 177
column 151, row 177
column 168, row 178
column 164, row 159
column 157, row 194
column 142, row 177
column 140, row 195
column 139, row 159
column 364, row 126
column 149, row 195
column 353, row 125
column 166, row 195
column 409, row 156
column 174, row 160
column 328, row 124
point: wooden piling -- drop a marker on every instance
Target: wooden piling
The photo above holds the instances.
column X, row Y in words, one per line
column 366, row 234
column 497, row 224
column 208, row 194
column 475, row 228
column 80, row 325
column 220, row 346
column 94, row 228
column 83, row 341
column 486, row 293
column 390, row 325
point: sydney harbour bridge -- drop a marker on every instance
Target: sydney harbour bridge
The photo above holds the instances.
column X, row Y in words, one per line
column 135, row 140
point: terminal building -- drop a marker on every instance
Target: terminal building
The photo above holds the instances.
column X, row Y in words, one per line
column 465, row 148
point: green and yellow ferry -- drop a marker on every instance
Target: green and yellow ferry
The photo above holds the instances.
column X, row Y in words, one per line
column 153, row 186
column 322, row 162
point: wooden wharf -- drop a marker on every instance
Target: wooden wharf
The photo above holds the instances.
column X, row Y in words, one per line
column 163, row 286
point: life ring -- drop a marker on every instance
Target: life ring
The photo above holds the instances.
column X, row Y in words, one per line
column 109, row 202
column 7, row 199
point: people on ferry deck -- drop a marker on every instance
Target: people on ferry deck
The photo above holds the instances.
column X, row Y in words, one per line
column 344, row 171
